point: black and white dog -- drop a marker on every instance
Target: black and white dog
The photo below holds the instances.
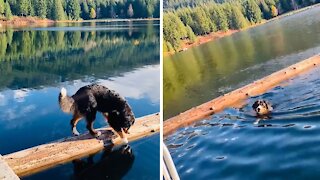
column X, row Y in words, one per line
column 89, row 100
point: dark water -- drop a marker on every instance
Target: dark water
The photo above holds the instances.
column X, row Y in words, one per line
column 230, row 145
column 36, row 62
column 209, row 70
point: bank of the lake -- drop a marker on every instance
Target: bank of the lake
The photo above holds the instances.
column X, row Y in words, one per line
column 202, row 39
column 33, row 21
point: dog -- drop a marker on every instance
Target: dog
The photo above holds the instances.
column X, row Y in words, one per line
column 262, row 107
column 89, row 100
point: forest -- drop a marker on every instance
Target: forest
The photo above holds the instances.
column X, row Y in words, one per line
column 80, row 9
column 185, row 20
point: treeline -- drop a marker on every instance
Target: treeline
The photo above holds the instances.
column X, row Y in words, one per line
column 186, row 23
column 34, row 58
column 80, row 9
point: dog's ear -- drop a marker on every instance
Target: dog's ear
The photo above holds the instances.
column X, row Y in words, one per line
column 255, row 105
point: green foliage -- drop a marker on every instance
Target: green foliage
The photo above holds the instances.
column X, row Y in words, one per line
column 24, row 7
column 77, row 9
column 7, row 11
column 73, row 9
column 173, row 30
column 93, row 13
column 252, row 11
column 192, row 37
column 58, row 13
column 2, row 7
column 201, row 22
column 219, row 17
column 41, row 8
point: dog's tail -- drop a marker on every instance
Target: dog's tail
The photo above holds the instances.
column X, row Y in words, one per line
column 66, row 102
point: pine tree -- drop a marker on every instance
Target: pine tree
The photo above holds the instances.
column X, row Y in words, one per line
column 7, row 11
column 85, row 10
column 58, row 12
column 2, row 7
column 41, row 8
column 274, row 11
column 93, row 13
column 266, row 11
column 201, row 23
column 252, row 11
column 73, row 9
column 237, row 19
column 192, row 37
column 130, row 11
column 24, row 7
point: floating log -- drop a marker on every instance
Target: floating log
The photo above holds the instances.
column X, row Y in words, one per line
column 239, row 95
column 6, row 173
column 42, row 157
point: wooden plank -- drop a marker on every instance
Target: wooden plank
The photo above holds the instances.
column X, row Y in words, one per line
column 239, row 95
column 6, row 173
column 48, row 155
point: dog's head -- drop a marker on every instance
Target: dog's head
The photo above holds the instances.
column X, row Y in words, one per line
column 262, row 107
column 126, row 116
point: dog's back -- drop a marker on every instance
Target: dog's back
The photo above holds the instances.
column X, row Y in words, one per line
column 100, row 98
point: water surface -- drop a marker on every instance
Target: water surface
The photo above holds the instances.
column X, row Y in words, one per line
column 212, row 69
column 231, row 145
column 36, row 62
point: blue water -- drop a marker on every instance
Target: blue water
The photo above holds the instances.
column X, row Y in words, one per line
column 36, row 62
column 230, row 145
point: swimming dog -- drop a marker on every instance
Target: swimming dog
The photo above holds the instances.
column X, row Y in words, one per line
column 262, row 107
column 89, row 100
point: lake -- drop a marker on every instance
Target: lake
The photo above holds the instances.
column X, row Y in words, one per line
column 229, row 144
column 36, row 62
column 207, row 71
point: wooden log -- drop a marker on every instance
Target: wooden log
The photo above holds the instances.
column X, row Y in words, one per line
column 6, row 173
column 48, row 155
column 239, row 95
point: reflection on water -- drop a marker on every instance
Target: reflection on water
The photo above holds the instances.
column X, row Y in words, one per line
column 113, row 164
column 202, row 73
column 36, row 62
column 230, row 145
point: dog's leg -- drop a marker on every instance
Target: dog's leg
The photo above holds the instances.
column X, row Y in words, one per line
column 123, row 136
column 75, row 119
column 90, row 120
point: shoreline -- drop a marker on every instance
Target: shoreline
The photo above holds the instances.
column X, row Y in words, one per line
column 219, row 34
column 33, row 21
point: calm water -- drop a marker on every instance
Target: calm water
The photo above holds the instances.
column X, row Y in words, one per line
column 36, row 62
column 207, row 71
column 229, row 145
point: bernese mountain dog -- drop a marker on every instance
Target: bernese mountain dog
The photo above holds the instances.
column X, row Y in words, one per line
column 89, row 100
column 262, row 107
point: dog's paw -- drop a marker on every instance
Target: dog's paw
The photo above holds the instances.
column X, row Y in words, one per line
column 98, row 134
column 75, row 132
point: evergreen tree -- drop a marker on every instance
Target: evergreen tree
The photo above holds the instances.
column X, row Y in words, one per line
column 24, row 7
column 73, row 9
column 85, row 14
column 130, row 11
column 41, row 8
column 93, row 14
column 266, row 11
column 252, row 11
column 58, row 12
column 192, row 37
column 2, row 7
column 201, row 23
column 237, row 20
column 219, row 17
column 274, row 11
column 7, row 11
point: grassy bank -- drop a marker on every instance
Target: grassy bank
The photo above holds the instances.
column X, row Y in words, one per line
column 31, row 21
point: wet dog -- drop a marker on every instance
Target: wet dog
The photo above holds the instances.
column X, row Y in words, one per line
column 89, row 100
column 262, row 107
